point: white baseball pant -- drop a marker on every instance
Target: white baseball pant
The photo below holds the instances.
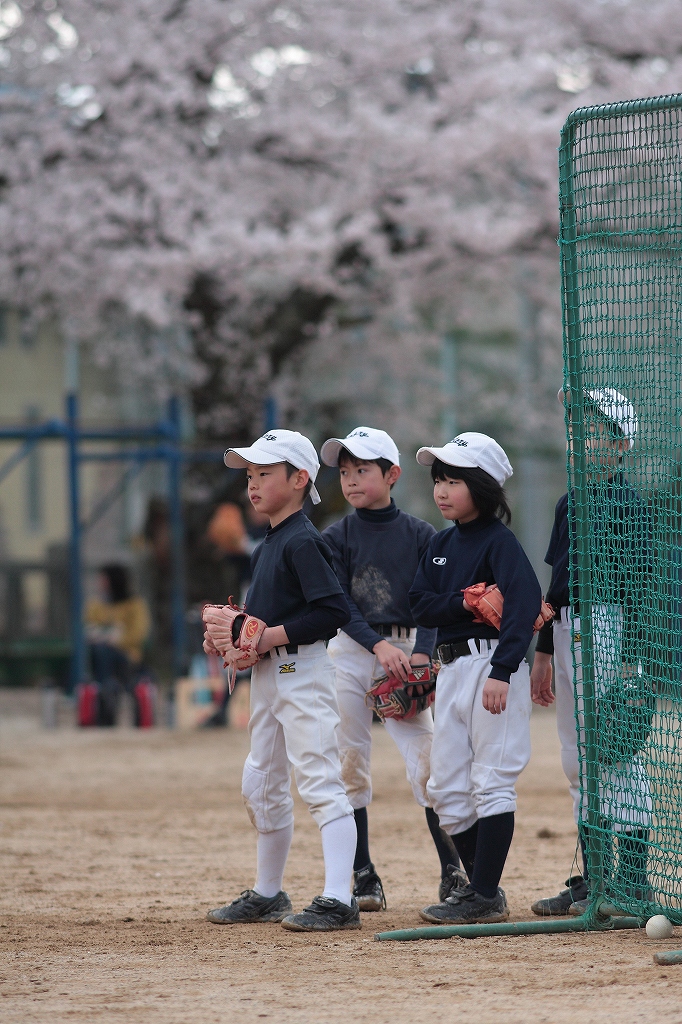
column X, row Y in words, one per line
column 624, row 789
column 356, row 669
column 476, row 757
column 294, row 722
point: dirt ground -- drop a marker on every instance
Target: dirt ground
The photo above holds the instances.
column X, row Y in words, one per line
column 113, row 845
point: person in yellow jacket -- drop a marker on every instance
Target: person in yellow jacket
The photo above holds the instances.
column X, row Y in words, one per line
column 118, row 625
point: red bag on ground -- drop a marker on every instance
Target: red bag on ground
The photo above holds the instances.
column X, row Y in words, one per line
column 87, row 704
column 145, row 704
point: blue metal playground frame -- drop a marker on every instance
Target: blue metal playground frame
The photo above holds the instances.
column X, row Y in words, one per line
column 156, row 442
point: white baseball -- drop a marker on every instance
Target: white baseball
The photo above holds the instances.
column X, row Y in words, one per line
column 659, row 927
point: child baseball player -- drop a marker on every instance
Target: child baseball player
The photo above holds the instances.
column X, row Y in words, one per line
column 295, row 604
column 481, row 739
column 376, row 554
column 624, row 788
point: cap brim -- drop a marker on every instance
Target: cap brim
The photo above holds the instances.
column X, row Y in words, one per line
column 427, row 457
column 237, row 458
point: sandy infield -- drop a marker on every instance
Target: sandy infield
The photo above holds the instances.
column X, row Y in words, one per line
column 113, row 845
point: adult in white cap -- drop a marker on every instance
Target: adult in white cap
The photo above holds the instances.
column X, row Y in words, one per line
column 481, row 739
column 294, row 713
column 622, row 546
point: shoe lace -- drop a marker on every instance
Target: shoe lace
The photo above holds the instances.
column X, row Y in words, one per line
column 366, row 884
column 321, row 905
column 247, row 894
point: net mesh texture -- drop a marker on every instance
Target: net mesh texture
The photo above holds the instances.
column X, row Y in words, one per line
column 621, row 258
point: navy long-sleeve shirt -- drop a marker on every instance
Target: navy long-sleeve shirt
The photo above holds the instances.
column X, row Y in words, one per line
column 293, row 583
column 483, row 551
column 621, row 555
column 376, row 555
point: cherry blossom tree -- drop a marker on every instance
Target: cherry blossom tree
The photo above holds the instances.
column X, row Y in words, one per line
column 255, row 194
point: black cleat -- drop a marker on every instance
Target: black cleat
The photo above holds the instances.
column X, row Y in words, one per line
column 455, row 879
column 324, row 915
column 251, row 908
column 553, row 906
column 611, row 904
column 466, row 906
column 368, row 890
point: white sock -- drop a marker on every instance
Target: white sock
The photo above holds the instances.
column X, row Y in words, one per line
column 273, row 850
column 339, row 839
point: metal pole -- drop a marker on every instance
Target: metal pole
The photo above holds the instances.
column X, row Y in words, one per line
column 75, row 554
column 177, row 537
column 478, row 931
column 579, row 497
column 271, row 416
column 448, row 373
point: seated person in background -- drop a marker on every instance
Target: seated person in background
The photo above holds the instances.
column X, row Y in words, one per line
column 118, row 625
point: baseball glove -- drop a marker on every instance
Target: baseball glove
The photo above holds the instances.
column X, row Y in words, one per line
column 487, row 602
column 390, row 697
column 234, row 635
column 624, row 717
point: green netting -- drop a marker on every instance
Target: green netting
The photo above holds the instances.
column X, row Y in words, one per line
column 621, row 256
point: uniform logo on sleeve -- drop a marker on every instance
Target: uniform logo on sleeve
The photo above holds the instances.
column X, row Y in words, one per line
column 286, row 667
column 439, row 561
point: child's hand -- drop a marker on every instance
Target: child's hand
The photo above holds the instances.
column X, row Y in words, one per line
column 273, row 636
column 393, row 661
column 495, row 696
column 417, row 660
column 541, row 680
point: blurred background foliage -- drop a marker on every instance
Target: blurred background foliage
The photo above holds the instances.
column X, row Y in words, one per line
column 319, row 215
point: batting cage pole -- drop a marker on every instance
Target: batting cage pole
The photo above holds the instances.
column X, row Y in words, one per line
column 575, row 432
column 480, row 931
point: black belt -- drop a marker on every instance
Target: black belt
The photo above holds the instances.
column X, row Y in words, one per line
column 386, row 629
column 450, row 652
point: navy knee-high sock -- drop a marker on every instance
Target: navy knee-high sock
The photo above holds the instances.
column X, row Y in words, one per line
column 465, row 843
column 362, row 857
column 633, row 853
column 445, row 848
column 492, row 846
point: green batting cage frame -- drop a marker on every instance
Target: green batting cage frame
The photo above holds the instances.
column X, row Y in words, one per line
column 621, row 258
column 620, row 187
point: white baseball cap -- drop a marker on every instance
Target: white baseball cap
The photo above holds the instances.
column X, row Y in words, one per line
column 471, row 451
column 614, row 406
column 364, row 443
column 279, row 446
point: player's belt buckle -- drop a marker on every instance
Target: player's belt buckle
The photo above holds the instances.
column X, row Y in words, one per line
column 448, row 653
